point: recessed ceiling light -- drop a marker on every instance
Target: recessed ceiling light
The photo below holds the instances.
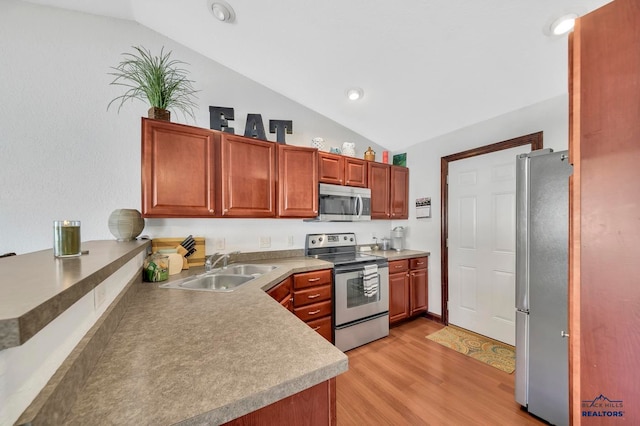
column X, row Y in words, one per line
column 563, row 24
column 355, row 93
column 221, row 10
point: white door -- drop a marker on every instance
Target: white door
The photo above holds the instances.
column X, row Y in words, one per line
column 482, row 243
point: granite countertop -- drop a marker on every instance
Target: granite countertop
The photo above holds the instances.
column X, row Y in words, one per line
column 196, row 357
column 37, row 287
column 190, row 357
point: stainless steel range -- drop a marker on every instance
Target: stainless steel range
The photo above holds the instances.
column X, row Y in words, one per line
column 360, row 289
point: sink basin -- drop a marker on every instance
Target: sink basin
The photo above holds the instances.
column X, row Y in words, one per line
column 248, row 269
column 223, row 280
column 211, row 282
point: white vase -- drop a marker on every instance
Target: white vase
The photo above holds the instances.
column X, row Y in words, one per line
column 126, row 224
column 318, row 143
column 349, row 149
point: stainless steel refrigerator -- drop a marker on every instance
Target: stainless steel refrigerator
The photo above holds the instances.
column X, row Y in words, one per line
column 542, row 245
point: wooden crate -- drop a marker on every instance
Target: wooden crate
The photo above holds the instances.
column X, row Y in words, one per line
column 196, row 259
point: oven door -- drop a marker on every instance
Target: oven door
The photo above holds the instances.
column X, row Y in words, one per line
column 350, row 301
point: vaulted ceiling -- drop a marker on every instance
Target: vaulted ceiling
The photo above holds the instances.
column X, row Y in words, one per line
column 427, row 67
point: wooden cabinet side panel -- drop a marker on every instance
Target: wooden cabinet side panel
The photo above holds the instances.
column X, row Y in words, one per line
column 297, row 181
column 249, row 177
column 177, row 170
column 315, row 406
column 609, row 220
column 379, row 181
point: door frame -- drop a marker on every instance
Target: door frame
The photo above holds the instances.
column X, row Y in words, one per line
column 535, row 139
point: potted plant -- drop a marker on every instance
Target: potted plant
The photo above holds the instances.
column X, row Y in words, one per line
column 158, row 80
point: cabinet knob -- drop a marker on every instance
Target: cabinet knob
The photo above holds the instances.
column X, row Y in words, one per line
column 210, row 210
column 563, row 334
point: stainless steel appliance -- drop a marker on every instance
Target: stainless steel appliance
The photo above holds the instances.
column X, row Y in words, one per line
column 542, row 234
column 360, row 289
column 397, row 238
column 343, row 203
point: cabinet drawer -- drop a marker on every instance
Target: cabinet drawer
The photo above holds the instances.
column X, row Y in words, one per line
column 282, row 290
column 313, row 311
column 398, row 266
column 418, row 263
column 311, row 295
column 312, row 279
column 323, row 327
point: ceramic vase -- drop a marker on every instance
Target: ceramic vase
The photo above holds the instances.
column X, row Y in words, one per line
column 126, row 224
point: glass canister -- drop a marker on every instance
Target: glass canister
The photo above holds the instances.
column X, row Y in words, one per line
column 66, row 238
column 156, row 268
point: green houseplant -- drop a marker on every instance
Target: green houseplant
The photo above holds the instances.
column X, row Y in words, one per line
column 158, row 80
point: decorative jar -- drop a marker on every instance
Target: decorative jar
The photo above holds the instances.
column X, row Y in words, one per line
column 126, row 224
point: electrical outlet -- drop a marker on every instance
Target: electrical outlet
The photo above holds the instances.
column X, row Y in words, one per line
column 265, row 242
column 290, row 241
column 99, row 296
column 218, row 243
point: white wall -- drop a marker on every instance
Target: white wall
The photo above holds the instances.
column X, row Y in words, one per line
column 64, row 156
column 551, row 117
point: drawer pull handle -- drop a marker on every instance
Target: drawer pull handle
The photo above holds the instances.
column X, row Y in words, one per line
column 419, row 263
column 314, row 312
column 399, row 266
column 316, row 328
column 313, row 296
column 312, row 280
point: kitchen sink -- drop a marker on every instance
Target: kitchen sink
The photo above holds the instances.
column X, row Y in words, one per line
column 222, row 280
column 248, row 269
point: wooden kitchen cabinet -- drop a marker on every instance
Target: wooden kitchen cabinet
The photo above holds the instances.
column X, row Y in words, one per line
column 312, row 300
column 283, row 293
column 399, row 193
column 315, row 406
column 408, row 288
column 399, row 294
column 418, row 285
column 248, row 176
column 379, row 183
column 389, row 191
column 341, row 170
column 178, row 178
column 297, row 181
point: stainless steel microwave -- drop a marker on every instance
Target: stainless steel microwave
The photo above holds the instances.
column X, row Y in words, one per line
column 344, row 203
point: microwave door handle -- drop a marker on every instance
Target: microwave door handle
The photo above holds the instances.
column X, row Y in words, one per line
column 359, row 205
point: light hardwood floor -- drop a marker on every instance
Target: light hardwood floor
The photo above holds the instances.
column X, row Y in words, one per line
column 406, row 379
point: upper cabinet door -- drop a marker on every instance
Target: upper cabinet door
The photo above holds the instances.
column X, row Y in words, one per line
column 249, row 177
column 331, row 168
column 399, row 192
column 355, row 172
column 177, row 172
column 379, row 183
column 297, row 181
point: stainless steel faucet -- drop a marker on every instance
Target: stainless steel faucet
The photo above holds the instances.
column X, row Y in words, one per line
column 209, row 265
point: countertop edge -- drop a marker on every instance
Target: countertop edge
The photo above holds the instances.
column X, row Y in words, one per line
column 16, row 331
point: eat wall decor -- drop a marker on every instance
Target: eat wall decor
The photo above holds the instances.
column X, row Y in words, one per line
column 219, row 120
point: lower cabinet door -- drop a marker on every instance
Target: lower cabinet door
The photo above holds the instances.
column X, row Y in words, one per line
column 398, row 297
column 323, row 327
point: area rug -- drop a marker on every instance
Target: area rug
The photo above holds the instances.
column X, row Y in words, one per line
column 492, row 352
